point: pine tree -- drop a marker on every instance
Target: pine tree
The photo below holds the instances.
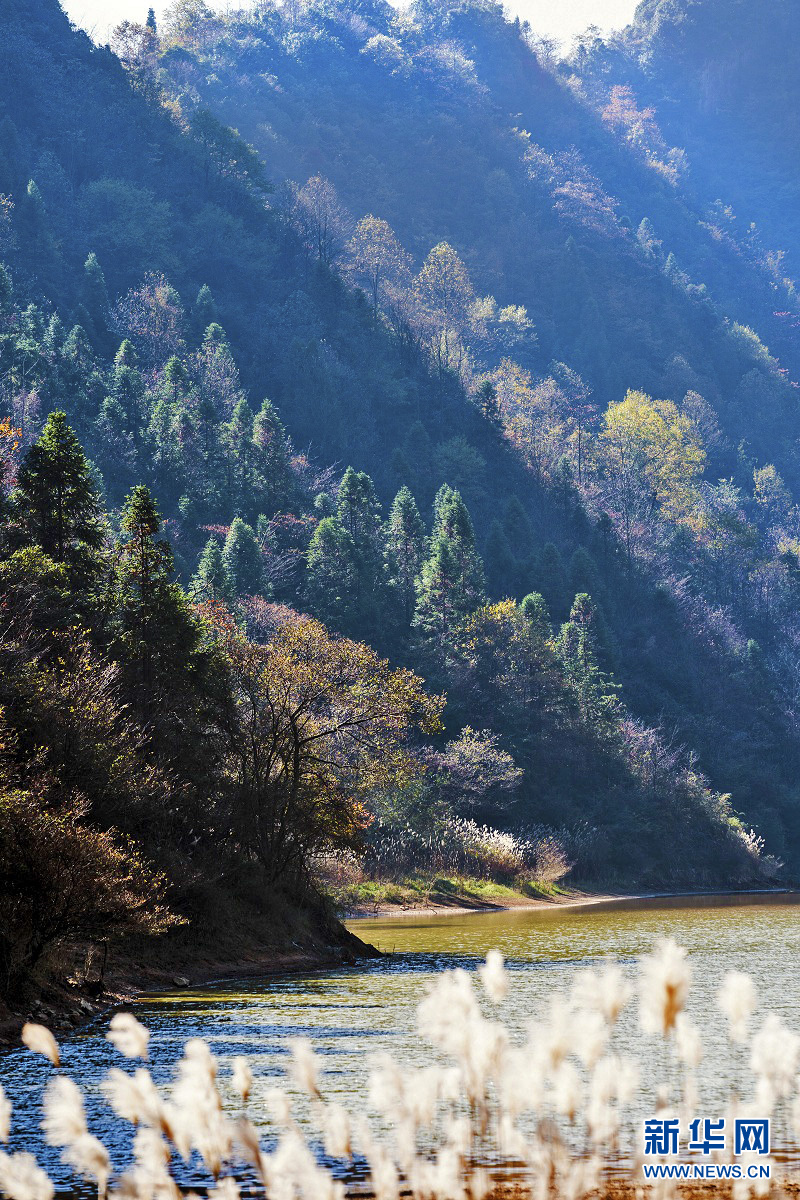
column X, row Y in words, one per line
column 501, row 566
column 594, row 691
column 242, row 559
column 272, row 477
column 331, row 574
column 236, row 438
column 94, row 297
column 534, row 609
column 451, row 584
column 56, row 499
column 204, row 311
column 211, row 582
column 551, row 580
column 405, row 543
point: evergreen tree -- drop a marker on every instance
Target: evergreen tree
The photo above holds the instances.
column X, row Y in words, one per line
column 236, row 438
column 331, row 574
column 56, row 499
column 204, row 311
column 451, row 582
column 405, row 543
column 211, row 582
column 272, row 476
column 501, row 566
column 94, row 297
column 594, row 691
column 242, row 559
column 551, row 579
column 534, row 609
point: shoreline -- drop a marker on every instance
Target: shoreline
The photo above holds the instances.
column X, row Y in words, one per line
column 65, row 1008
column 540, row 903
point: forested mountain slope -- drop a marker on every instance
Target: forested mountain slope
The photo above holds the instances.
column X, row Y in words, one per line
column 722, row 78
column 423, row 436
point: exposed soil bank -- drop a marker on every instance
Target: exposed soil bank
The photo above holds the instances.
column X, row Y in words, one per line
column 442, row 904
column 233, row 944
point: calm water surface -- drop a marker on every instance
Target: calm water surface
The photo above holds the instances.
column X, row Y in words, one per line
column 349, row 1013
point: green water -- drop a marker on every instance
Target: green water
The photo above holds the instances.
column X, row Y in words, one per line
column 349, row 1013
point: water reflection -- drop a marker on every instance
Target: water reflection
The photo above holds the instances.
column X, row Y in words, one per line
column 351, row 1012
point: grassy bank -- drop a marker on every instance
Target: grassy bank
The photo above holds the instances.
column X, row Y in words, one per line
column 421, row 891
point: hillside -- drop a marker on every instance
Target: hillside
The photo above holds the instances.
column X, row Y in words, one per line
column 442, row 394
column 722, row 79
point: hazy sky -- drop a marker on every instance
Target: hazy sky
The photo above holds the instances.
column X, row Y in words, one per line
column 561, row 19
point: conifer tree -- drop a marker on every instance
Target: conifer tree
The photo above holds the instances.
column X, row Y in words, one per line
column 551, row 581
column 94, row 297
column 331, row 571
column 236, row 437
column 451, row 582
column 211, row 582
column 405, row 542
column 56, row 499
column 594, row 691
column 534, row 609
column 501, row 566
column 272, row 478
column 204, row 311
column 241, row 557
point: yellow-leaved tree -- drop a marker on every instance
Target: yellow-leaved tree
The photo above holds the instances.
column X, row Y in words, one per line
column 649, row 460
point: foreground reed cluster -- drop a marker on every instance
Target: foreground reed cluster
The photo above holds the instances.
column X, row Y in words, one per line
column 551, row 1110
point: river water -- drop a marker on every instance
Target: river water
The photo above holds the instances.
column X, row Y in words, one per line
column 349, row 1013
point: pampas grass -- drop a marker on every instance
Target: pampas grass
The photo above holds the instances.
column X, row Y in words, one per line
column 548, row 1111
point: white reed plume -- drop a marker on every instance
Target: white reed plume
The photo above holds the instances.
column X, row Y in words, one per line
column 242, row 1077
column 21, row 1178
column 5, row 1116
column 688, row 1041
column 567, row 1090
column 304, row 1067
column 447, row 1016
column 606, row 992
column 90, row 1158
column 590, row 1035
column 64, row 1125
column 774, row 1055
column 64, row 1116
column 227, row 1189
column 135, row 1097
column 195, row 1114
column 382, row 1167
column 664, row 985
column 40, row 1040
column 736, row 998
column 494, row 977
column 149, row 1178
column 292, row 1170
column 278, row 1106
column 128, row 1035
column 335, row 1121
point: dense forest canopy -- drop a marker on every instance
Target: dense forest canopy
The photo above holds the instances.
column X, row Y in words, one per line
column 399, row 448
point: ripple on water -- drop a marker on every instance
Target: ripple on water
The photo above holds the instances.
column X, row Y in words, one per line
column 349, row 1013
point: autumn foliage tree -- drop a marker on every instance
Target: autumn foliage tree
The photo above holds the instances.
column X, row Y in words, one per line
column 316, row 724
